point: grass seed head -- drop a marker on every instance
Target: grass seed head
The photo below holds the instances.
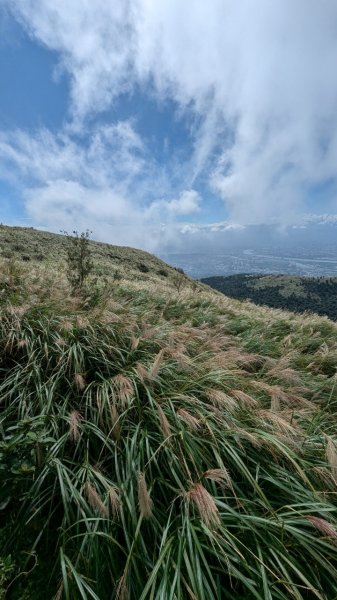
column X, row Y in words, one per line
column 114, row 502
column 244, row 398
column 221, row 399
column 157, row 364
column 164, row 424
column 205, row 505
column 124, row 388
column 189, row 419
column 94, row 499
column 331, row 455
column 324, row 527
column 221, row 476
column 115, row 425
column 144, row 500
column 79, row 381
column 74, row 425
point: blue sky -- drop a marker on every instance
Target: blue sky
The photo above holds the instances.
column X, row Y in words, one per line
column 151, row 123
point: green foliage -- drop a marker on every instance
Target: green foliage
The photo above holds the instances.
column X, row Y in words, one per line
column 298, row 294
column 42, row 247
column 6, row 571
column 235, row 499
column 79, row 260
column 179, row 280
column 162, row 445
column 11, row 288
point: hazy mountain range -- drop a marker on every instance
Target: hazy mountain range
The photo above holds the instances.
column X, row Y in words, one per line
column 308, row 248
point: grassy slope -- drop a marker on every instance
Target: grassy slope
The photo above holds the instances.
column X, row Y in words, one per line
column 315, row 294
column 164, row 444
column 28, row 244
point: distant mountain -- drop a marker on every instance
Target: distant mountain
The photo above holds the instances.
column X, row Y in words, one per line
column 298, row 294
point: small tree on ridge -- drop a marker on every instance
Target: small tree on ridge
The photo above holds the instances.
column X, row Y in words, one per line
column 79, row 263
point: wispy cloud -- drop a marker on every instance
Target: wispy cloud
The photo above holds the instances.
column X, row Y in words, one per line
column 107, row 183
column 257, row 77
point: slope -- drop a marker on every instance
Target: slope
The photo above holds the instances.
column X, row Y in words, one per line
column 290, row 292
column 163, row 441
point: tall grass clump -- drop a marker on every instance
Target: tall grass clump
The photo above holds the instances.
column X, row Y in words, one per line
column 162, row 462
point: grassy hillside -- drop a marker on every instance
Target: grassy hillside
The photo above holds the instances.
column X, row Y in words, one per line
column 162, row 441
column 34, row 246
column 290, row 292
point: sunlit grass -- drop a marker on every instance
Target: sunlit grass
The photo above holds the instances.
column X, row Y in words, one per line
column 167, row 444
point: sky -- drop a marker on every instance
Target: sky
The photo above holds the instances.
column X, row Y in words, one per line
column 156, row 124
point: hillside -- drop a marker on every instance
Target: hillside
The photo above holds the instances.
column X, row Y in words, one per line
column 32, row 245
column 158, row 439
column 299, row 294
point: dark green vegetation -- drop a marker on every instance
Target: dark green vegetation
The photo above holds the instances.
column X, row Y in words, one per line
column 299, row 294
column 162, row 443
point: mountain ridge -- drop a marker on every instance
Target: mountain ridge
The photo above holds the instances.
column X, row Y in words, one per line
column 290, row 292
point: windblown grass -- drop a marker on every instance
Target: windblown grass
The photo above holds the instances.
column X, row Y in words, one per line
column 171, row 444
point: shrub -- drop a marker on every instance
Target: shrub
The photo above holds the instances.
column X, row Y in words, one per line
column 143, row 268
column 79, row 261
column 178, row 280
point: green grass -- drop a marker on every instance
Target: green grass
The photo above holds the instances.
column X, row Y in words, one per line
column 28, row 245
column 166, row 444
column 291, row 292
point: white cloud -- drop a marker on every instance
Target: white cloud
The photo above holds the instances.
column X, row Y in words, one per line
column 108, row 184
column 259, row 78
column 109, row 150
column 187, row 203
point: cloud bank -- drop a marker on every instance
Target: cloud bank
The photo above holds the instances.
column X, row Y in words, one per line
column 256, row 79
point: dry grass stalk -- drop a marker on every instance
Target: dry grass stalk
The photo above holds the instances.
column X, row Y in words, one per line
column 66, row 325
column 142, row 372
column 122, row 591
column 134, row 342
column 114, row 502
column 324, row 527
column 189, row 419
column 331, row 456
column 124, row 388
column 325, row 476
column 74, row 425
column 22, row 343
column 275, row 404
column 157, row 364
column 180, row 357
column 249, row 436
column 144, row 500
column 237, row 357
column 94, row 499
column 164, row 424
column 276, row 393
column 116, row 430
column 79, row 381
column 59, row 592
column 279, row 422
column 81, row 321
column 221, row 476
column 244, row 398
column 148, row 332
column 205, row 504
column 221, row 399
column 60, row 341
column 285, row 374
